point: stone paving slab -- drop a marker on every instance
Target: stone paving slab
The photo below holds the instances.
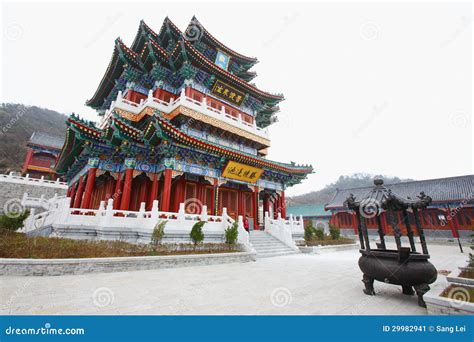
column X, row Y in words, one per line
column 300, row 284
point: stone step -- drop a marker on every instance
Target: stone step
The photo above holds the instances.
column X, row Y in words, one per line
column 274, row 254
column 270, row 243
column 268, row 246
column 276, row 242
column 272, row 248
column 264, row 240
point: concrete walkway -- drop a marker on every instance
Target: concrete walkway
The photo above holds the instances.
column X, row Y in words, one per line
column 295, row 284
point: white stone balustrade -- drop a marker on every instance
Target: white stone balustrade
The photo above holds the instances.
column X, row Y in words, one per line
column 283, row 229
column 41, row 202
column 107, row 223
column 185, row 101
column 12, row 178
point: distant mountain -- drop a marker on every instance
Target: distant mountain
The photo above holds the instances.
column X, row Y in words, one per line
column 324, row 195
column 17, row 123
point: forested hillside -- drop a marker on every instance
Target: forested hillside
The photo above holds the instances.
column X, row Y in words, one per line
column 344, row 182
column 17, row 123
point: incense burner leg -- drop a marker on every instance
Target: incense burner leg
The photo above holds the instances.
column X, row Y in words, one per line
column 420, row 291
column 369, row 285
column 408, row 290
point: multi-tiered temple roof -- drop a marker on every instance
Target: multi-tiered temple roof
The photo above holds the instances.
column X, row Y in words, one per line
column 180, row 102
column 174, row 56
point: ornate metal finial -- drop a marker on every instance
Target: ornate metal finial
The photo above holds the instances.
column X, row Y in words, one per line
column 349, row 202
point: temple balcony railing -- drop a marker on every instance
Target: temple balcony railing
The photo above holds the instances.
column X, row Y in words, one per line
column 167, row 107
column 107, row 223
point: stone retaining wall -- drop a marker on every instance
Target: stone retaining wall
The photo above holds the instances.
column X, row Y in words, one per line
column 10, row 191
column 55, row 267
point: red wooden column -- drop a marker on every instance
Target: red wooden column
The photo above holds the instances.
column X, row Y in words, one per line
column 165, row 201
column 214, row 206
column 80, row 191
column 29, row 155
column 283, row 205
column 276, row 206
column 127, row 190
column 153, row 191
column 72, row 195
column 255, row 208
column 266, row 203
column 89, row 188
column 117, row 195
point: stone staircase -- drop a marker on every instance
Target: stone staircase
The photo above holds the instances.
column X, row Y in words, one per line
column 267, row 246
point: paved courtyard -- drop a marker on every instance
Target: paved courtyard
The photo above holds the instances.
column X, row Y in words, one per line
column 294, row 285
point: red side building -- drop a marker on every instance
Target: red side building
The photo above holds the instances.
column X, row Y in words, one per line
column 451, row 213
column 41, row 156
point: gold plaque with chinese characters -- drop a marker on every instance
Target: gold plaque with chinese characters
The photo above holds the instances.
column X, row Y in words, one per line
column 242, row 172
column 228, row 93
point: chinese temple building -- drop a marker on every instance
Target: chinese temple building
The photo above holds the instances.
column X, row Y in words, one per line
column 180, row 123
column 450, row 214
column 42, row 152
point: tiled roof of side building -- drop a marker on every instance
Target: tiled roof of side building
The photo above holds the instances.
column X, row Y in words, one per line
column 307, row 210
column 441, row 190
column 47, row 140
